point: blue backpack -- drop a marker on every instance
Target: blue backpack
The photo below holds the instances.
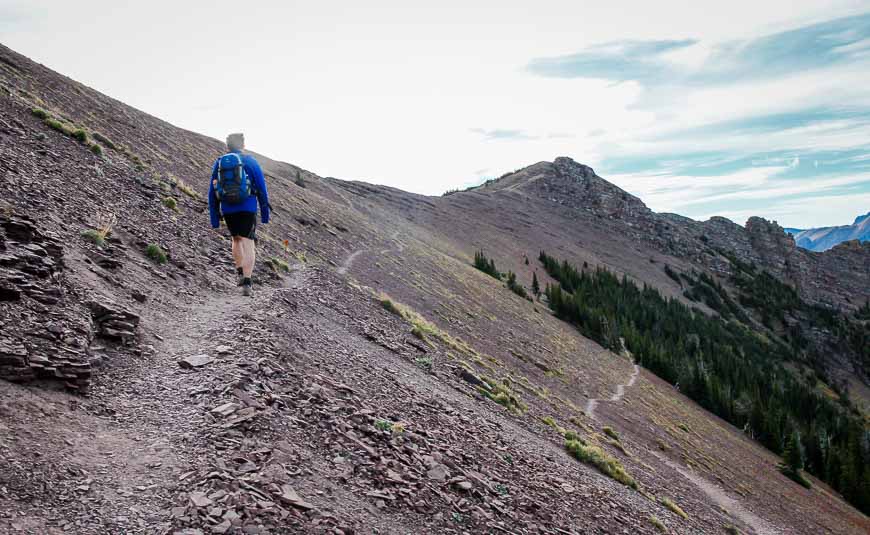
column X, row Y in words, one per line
column 233, row 186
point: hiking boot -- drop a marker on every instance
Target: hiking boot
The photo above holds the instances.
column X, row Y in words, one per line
column 247, row 287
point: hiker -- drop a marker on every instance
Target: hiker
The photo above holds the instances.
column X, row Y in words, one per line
column 237, row 186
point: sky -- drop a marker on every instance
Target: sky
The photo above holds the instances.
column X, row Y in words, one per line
column 700, row 108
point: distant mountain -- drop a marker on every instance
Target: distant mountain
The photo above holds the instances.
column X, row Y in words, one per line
column 822, row 239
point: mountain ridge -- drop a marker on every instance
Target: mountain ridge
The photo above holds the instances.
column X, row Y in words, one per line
column 824, row 238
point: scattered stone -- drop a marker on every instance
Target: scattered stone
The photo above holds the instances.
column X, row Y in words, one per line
column 199, row 499
column 226, row 409
column 195, row 361
column 437, row 472
column 289, row 496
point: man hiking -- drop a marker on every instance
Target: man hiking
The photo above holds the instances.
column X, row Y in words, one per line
column 237, row 186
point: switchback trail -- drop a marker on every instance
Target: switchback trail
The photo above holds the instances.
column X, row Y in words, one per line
column 620, row 392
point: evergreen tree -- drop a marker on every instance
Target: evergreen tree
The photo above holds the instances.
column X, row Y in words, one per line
column 794, row 453
column 536, row 287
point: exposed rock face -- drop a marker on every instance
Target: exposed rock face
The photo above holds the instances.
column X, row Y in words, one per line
column 40, row 342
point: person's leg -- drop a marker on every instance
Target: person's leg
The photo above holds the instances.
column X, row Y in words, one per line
column 248, row 248
column 238, row 251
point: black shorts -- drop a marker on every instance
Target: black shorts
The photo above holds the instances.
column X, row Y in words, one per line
column 242, row 224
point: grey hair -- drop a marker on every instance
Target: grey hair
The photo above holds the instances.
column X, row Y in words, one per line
column 236, row 141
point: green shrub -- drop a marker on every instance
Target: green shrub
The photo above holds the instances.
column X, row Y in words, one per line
column 170, row 203
column 80, row 135
column 795, row 475
column 94, row 237
column 104, row 140
column 278, row 265
column 674, row 507
column 383, row 425
column 61, row 127
column 96, row 149
column 155, row 253
column 39, row 112
column 501, row 393
column 607, row 464
column 424, row 362
column 611, row 433
column 388, row 304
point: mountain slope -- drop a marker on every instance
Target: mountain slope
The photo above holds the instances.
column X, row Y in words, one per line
column 824, row 238
column 324, row 410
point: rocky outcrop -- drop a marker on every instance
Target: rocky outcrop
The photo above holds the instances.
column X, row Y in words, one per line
column 48, row 336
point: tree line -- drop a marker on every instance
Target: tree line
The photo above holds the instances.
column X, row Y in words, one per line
column 725, row 365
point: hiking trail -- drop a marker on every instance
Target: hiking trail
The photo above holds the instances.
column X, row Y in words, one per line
column 592, row 403
column 349, row 259
column 712, row 491
column 723, row 500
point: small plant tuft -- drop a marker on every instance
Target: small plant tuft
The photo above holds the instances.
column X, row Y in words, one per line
column 607, row 464
column 170, row 203
column 104, row 140
column 674, row 507
column 391, row 307
column 186, row 189
column 155, row 253
column 657, row 524
column 383, row 425
column 424, row 362
column 611, row 433
column 94, row 237
column 278, row 265
column 40, row 113
column 80, row 135
column 61, row 127
column 96, row 149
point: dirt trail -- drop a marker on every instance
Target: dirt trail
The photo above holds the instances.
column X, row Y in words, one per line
column 348, row 261
column 716, row 494
column 592, row 404
column 720, row 498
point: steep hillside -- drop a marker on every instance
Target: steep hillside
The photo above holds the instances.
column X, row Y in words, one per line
column 824, row 238
column 376, row 381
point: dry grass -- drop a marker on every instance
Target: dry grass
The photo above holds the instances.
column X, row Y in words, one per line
column 674, row 507
column 598, row 458
column 657, row 524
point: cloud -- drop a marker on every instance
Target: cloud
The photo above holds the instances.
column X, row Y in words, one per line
column 659, row 62
column 617, row 60
column 500, row 134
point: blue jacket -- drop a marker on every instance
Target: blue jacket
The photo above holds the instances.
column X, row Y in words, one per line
column 258, row 183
